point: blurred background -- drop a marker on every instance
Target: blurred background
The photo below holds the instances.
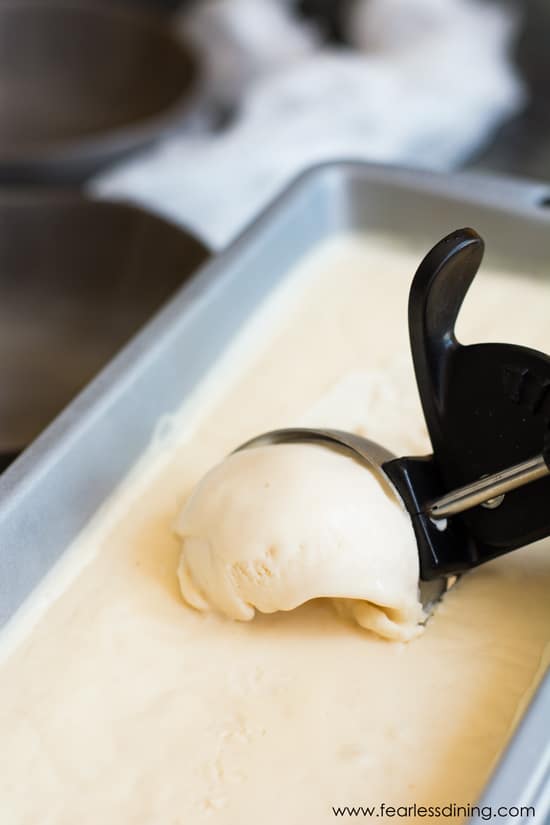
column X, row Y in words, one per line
column 139, row 136
column 219, row 103
column 288, row 83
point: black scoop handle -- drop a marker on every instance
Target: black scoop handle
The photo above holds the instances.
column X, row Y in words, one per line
column 487, row 406
column 437, row 293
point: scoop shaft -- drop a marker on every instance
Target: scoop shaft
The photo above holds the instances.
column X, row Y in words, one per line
column 489, row 488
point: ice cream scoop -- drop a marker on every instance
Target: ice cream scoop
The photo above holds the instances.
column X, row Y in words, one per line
column 376, row 459
column 484, row 491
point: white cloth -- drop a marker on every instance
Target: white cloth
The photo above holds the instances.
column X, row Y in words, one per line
column 425, row 85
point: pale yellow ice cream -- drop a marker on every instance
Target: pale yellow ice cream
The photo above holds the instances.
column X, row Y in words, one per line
column 122, row 705
column 273, row 527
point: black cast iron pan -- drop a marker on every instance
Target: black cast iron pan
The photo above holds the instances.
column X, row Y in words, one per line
column 84, row 84
column 77, row 279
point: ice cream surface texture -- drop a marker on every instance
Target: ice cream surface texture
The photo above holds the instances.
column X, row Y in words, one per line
column 273, row 527
column 122, row 705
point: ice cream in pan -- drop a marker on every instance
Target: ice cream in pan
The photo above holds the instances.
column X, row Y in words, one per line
column 302, row 513
column 115, row 696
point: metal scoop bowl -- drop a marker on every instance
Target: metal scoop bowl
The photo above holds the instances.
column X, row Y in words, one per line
column 374, row 457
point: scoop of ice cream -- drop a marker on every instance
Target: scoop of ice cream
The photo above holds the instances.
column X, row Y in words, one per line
column 273, row 527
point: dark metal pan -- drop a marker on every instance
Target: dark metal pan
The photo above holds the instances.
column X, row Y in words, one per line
column 158, row 6
column 83, row 85
column 77, row 279
column 162, row 6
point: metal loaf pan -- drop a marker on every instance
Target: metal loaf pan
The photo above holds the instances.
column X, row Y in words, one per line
column 48, row 495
